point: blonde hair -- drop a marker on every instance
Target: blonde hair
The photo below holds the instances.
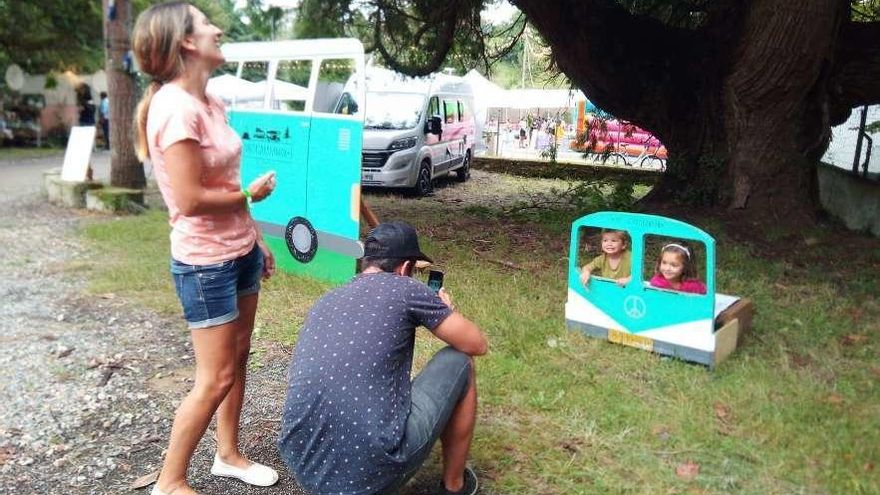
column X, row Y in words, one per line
column 624, row 236
column 156, row 39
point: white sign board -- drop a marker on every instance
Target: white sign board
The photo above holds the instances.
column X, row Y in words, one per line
column 79, row 153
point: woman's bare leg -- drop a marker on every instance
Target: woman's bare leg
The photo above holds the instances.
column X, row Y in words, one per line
column 215, row 374
column 229, row 412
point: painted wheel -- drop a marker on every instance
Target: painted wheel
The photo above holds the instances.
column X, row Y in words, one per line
column 464, row 173
column 424, row 183
column 302, row 240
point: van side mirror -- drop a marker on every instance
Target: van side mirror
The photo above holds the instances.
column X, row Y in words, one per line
column 434, row 125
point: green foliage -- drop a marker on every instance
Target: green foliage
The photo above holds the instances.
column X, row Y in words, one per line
column 51, row 35
column 322, row 19
column 865, row 10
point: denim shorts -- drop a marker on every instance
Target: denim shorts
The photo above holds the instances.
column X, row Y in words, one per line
column 436, row 392
column 209, row 293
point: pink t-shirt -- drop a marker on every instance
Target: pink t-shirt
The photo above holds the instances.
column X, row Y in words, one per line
column 691, row 285
column 175, row 116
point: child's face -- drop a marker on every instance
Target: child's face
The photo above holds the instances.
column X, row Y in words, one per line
column 613, row 243
column 671, row 266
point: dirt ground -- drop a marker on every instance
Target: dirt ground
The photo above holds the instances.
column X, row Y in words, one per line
column 91, row 380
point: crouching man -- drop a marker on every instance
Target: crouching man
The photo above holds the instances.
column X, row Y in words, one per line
column 353, row 422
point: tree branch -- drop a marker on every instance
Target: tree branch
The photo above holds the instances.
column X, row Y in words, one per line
column 856, row 70
column 438, row 48
column 628, row 64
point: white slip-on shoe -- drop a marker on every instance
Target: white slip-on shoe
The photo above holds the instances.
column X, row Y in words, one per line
column 256, row 474
column 157, row 491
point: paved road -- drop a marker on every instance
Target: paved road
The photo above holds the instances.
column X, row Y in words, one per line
column 90, row 382
column 25, row 176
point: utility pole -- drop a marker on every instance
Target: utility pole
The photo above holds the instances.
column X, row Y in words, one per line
column 125, row 169
column 526, row 59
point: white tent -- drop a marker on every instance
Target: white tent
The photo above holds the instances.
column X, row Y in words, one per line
column 285, row 91
column 486, row 93
column 227, row 87
column 541, row 98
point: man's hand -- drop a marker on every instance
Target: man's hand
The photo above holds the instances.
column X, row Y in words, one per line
column 446, row 298
column 268, row 259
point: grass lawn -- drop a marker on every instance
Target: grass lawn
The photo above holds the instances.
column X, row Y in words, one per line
column 795, row 410
column 15, row 154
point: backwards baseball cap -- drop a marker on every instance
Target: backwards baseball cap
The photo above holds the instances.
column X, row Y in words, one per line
column 394, row 240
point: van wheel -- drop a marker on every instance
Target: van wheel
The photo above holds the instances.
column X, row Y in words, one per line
column 424, row 183
column 464, row 173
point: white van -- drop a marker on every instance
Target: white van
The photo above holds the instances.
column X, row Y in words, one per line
column 415, row 129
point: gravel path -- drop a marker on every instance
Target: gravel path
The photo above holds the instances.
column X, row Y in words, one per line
column 90, row 382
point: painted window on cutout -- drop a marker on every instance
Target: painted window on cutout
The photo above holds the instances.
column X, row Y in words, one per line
column 250, row 87
column 333, row 74
column 674, row 264
column 291, row 87
column 604, row 256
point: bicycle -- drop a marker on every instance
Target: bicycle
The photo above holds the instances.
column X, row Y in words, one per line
column 617, row 155
column 643, row 160
column 647, row 157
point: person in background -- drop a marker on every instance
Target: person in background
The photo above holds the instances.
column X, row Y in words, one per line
column 104, row 115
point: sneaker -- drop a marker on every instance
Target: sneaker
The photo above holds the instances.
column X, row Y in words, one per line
column 256, row 474
column 470, row 484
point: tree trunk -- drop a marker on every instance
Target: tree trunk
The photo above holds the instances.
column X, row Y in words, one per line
column 776, row 105
column 125, row 169
column 742, row 102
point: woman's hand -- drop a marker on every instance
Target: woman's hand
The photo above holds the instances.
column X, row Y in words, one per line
column 262, row 186
column 268, row 259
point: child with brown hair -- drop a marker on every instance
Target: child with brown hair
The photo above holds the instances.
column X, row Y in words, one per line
column 676, row 270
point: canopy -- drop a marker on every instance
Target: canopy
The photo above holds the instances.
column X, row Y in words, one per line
column 227, row 87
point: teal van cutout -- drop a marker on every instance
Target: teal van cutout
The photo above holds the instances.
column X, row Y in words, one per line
column 664, row 321
column 311, row 221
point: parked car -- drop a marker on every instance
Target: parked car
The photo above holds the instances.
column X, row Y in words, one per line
column 415, row 129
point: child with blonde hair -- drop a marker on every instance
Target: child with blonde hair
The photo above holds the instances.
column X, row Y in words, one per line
column 615, row 262
column 676, row 270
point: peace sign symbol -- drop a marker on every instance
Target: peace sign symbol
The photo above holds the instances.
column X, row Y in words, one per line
column 634, row 307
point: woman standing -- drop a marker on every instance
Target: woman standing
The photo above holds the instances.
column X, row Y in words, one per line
column 218, row 255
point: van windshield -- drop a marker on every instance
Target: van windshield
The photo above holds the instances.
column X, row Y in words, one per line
column 393, row 110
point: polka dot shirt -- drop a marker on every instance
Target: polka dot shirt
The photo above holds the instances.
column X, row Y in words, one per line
column 348, row 395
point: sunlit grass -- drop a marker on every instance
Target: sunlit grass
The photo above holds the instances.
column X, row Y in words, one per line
column 795, row 410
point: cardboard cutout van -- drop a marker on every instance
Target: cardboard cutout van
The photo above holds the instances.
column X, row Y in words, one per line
column 704, row 328
column 282, row 100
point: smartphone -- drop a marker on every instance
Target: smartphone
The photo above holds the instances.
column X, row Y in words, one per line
column 435, row 280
